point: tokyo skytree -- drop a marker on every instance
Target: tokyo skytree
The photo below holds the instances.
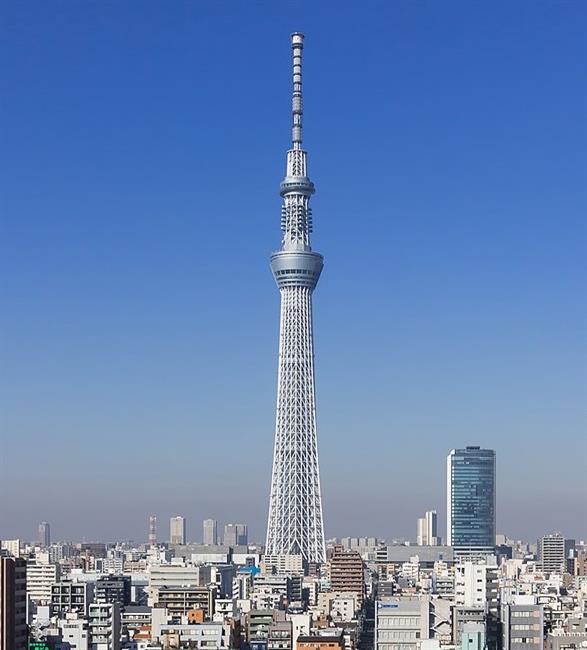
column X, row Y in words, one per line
column 295, row 506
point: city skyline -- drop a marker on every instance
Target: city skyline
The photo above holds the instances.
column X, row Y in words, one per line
column 450, row 175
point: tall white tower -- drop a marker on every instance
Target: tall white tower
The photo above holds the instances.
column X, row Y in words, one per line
column 210, row 527
column 295, row 506
column 177, row 530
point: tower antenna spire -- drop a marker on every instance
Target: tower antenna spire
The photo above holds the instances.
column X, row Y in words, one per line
column 297, row 46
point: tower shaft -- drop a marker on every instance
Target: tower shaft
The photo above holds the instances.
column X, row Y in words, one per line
column 295, row 525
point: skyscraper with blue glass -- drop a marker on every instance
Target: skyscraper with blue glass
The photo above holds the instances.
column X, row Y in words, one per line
column 470, row 508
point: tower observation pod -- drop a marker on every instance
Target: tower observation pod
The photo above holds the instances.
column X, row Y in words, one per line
column 295, row 525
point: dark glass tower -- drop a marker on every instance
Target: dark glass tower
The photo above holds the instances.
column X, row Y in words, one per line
column 470, row 511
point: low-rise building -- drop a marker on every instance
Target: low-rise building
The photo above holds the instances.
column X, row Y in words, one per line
column 75, row 632
column 135, row 617
column 473, row 637
column 178, row 601
column 321, row 642
column 340, row 606
column 200, row 636
column 280, row 636
column 401, row 623
column 258, row 622
column 558, row 639
column 522, row 626
column 463, row 616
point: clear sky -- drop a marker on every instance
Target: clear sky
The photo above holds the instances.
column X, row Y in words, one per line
column 141, row 151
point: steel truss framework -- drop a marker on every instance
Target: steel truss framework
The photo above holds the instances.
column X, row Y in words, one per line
column 295, row 524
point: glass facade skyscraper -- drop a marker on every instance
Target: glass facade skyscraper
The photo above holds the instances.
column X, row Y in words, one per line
column 470, row 508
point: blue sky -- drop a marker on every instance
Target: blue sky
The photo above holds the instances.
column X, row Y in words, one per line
column 142, row 148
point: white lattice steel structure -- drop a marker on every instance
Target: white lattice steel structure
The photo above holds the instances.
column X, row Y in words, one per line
column 295, row 507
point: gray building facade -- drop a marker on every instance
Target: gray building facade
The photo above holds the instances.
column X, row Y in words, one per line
column 522, row 627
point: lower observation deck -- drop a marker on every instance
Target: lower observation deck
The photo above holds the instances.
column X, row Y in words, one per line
column 296, row 268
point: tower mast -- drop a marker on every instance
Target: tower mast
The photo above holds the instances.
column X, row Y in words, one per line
column 295, row 525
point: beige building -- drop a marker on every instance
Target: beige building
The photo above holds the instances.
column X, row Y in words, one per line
column 177, row 530
column 321, row 642
column 179, row 601
column 347, row 573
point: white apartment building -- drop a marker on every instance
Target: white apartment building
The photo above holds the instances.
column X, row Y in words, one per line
column 267, row 596
column 75, row 633
column 58, row 552
column 104, row 626
column 283, row 564
column 301, row 625
column 427, row 530
column 477, row 590
column 242, row 583
column 476, row 584
column 39, row 580
column 12, row 546
column 176, row 575
column 411, row 570
column 343, row 608
column 225, row 608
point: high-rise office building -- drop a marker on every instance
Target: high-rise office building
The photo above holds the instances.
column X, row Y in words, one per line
column 242, row 534
column 152, row 530
column 470, row 509
column 210, row 527
column 551, row 553
column 177, row 530
column 427, row 530
column 13, row 604
column 45, row 534
column 295, row 524
column 230, row 536
column 421, row 532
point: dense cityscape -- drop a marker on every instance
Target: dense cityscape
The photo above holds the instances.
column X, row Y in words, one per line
column 226, row 592
column 208, row 586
